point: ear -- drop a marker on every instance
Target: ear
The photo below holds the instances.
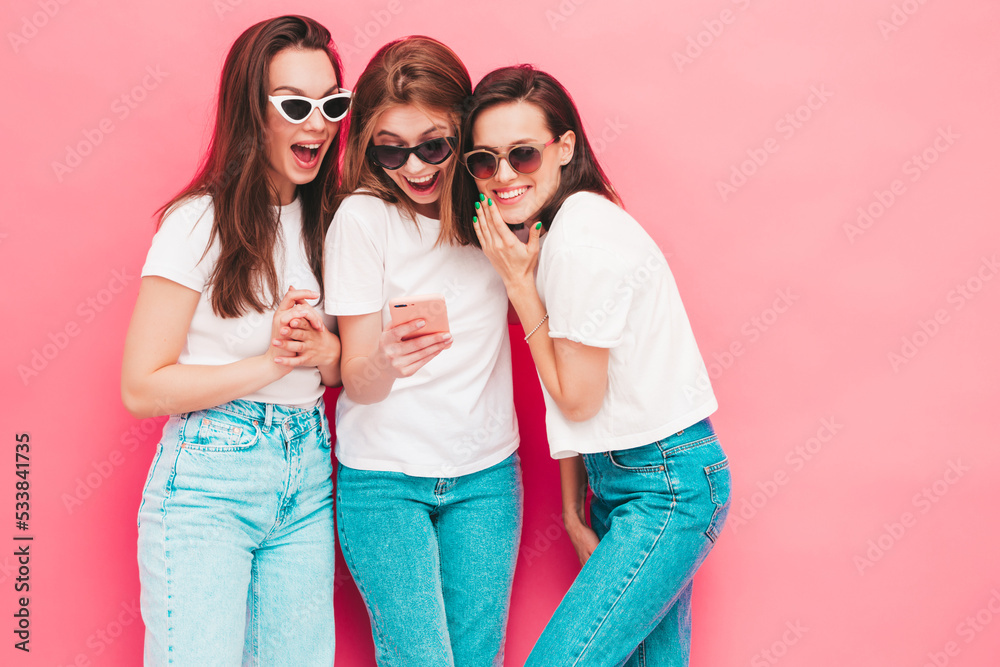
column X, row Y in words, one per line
column 567, row 147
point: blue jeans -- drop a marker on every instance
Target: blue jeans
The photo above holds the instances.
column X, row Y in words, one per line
column 236, row 543
column 434, row 560
column 658, row 510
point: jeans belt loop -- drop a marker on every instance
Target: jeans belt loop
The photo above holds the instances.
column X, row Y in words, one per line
column 268, row 415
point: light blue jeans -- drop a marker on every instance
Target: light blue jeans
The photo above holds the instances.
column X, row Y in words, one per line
column 434, row 560
column 236, row 539
column 658, row 510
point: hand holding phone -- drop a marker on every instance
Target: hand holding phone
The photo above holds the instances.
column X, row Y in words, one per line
column 431, row 308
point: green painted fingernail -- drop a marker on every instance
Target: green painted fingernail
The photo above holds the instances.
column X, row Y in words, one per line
column 490, row 202
column 478, row 206
column 475, row 219
column 538, row 226
column 482, row 196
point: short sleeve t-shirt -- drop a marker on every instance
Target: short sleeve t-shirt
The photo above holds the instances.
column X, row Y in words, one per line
column 178, row 253
column 605, row 283
column 454, row 416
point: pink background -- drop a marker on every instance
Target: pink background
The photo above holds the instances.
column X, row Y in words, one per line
column 863, row 528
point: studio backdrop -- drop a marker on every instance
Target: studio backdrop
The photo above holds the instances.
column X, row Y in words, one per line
column 822, row 177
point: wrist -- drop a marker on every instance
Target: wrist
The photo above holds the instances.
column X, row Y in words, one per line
column 573, row 517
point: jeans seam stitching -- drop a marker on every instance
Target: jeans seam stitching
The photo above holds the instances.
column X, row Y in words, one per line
column 689, row 445
column 377, row 637
column 673, row 505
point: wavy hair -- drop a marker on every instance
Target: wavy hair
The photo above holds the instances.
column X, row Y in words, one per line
column 234, row 171
column 418, row 71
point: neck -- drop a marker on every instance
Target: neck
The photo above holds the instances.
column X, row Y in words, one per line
column 432, row 210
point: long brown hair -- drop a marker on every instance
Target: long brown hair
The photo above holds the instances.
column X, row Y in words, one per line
column 524, row 83
column 418, row 71
column 234, row 172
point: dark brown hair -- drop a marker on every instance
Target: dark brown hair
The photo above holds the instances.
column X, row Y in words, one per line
column 234, row 171
column 422, row 72
column 524, row 83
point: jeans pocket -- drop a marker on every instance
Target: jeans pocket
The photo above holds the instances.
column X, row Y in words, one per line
column 720, row 485
column 216, row 433
column 149, row 478
column 647, row 458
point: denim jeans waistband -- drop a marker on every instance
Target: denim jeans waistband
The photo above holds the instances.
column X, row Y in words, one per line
column 267, row 415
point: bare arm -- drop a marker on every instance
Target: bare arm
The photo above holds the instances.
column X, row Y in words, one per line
column 153, row 383
column 373, row 359
column 574, row 375
column 573, row 476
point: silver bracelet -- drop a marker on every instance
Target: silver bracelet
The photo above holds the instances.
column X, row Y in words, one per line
column 537, row 326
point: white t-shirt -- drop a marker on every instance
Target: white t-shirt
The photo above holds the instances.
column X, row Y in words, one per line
column 605, row 283
column 454, row 416
column 177, row 254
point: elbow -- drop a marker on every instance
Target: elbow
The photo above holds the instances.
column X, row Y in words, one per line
column 135, row 406
column 138, row 405
column 580, row 411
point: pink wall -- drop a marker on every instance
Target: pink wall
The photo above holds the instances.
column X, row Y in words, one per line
column 854, row 357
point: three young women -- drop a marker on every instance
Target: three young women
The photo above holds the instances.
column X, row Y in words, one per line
column 236, row 542
column 619, row 367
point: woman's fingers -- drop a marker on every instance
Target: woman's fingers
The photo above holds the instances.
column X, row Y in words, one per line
column 411, row 363
column 480, row 222
column 293, row 295
column 400, row 332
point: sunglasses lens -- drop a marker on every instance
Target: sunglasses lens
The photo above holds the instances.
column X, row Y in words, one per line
column 296, row 109
column 336, row 107
column 390, row 157
column 434, row 151
column 482, row 165
column 525, row 159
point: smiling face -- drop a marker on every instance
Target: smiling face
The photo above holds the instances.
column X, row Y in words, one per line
column 406, row 125
column 295, row 151
column 520, row 196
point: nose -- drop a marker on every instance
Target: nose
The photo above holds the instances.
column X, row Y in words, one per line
column 505, row 174
column 315, row 121
column 413, row 164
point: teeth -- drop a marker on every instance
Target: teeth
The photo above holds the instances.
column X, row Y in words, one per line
column 312, row 147
column 510, row 194
column 422, row 179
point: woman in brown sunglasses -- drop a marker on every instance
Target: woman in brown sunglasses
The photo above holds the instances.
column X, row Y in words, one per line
column 626, row 391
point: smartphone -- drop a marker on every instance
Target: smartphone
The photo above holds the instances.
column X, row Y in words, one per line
column 431, row 308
